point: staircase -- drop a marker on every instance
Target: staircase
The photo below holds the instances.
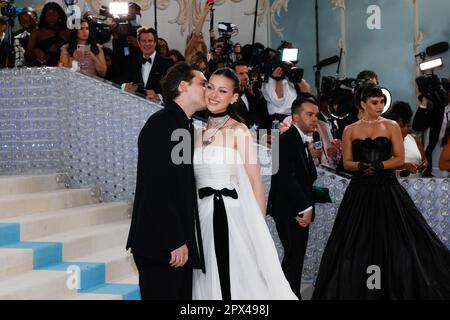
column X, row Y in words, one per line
column 58, row 243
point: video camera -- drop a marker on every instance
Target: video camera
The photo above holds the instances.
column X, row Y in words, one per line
column 429, row 85
column 226, row 31
column 266, row 60
column 124, row 20
column 8, row 9
column 340, row 93
column 433, row 88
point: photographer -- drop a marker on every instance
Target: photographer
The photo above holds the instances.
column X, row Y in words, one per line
column 433, row 115
column 6, row 49
column 280, row 93
column 251, row 106
column 125, row 45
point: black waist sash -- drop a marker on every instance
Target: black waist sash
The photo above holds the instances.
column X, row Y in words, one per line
column 220, row 229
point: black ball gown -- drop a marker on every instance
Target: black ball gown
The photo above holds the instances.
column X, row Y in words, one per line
column 378, row 224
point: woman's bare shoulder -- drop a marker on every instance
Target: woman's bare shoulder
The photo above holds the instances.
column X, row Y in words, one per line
column 389, row 122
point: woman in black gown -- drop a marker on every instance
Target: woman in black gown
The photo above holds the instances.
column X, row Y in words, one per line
column 380, row 246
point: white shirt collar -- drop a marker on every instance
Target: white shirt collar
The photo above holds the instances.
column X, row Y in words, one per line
column 305, row 137
column 152, row 56
column 3, row 37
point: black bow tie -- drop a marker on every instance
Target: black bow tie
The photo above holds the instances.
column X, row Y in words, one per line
column 144, row 60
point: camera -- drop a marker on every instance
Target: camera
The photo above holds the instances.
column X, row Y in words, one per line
column 433, row 88
column 226, row 31
column 124, row 22
column 272, row 59
column 340, row 93
column 8, row 9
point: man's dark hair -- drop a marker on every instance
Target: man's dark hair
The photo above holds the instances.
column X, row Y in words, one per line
column 177, row 73
column 3, row 20
column 239, row 63
column 366, row 75
column 301, row 99
column 400, row 110
column 142, row 30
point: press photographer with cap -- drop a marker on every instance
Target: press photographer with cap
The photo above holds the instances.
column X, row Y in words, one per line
column 279, row 92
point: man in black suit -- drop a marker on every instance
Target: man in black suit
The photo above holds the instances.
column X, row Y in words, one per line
column 148, row 68
column 291, row 202
column 165, row 236
column 251, row 105
column 6, row 49
column 435, row 116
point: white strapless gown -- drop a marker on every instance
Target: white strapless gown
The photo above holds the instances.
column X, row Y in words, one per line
column 255, row 271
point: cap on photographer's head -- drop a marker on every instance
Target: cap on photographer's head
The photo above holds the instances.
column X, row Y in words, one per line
column 134, row 8
column 368, row 76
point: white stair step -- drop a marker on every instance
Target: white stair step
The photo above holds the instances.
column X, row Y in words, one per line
column 88, row 240
column 133, row 279
column 92, row 296
column 15, row 261
column 46, row 223
column 24, row 204
column 29, row 184
column 118, row 263
column 37, row 285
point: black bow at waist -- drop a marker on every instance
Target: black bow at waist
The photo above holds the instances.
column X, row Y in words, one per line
column 208, row 191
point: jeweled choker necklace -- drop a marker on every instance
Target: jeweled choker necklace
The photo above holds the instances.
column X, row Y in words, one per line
column 370, row 121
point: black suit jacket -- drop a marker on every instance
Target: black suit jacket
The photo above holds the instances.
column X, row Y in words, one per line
column 6, row 54
column 256, row 113
column 429, row 118
column 159, row 70
column 291, row 187
column 165, row 214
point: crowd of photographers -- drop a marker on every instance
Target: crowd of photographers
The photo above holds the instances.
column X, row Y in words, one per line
column 120, row 50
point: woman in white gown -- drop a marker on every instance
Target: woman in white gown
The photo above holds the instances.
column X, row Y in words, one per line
column 240, row 256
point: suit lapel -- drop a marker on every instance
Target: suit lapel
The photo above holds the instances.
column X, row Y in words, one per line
column 300, row 146
column 154, row 72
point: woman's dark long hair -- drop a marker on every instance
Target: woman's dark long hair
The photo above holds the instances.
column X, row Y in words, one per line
column 62, row 25
column 73, row 39
column 230, row 74
column 446, row 135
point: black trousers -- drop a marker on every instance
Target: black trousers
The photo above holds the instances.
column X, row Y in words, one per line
column 294, row 239
column 159, row 282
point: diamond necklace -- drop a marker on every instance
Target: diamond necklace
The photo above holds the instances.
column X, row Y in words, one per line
column 370, row 121
column 211, row 139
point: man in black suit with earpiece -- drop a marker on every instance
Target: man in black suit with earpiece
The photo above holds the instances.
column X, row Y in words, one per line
column 291, row 201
